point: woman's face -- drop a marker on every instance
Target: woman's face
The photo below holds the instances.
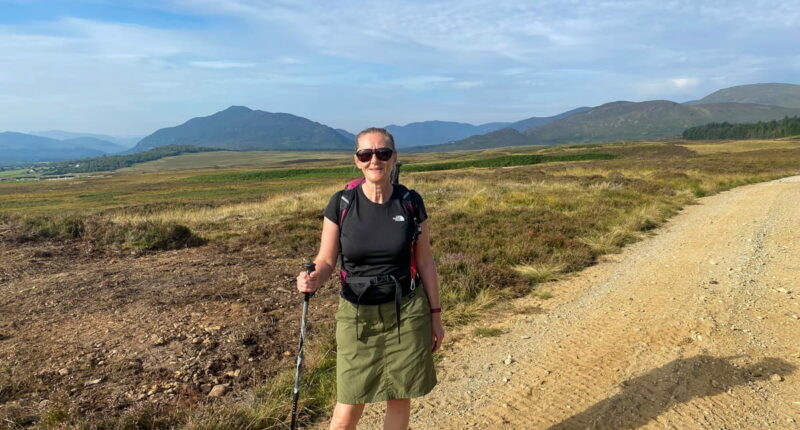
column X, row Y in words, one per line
column 375, row 170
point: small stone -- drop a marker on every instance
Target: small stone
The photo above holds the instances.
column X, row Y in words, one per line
column 782, row 290
column 286, row 353
column 63, row 371
column 158, row 341
column 795, row 316
column 508, row 360
column 506, row 380
column 776, row 378
column 197, row 340
column 713, row 282
column 525, row 337
column 93, row 381
column 712, row 262
column 233, row 374
column 217, row 391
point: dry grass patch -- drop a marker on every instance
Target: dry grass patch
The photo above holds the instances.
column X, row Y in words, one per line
column 541, row 272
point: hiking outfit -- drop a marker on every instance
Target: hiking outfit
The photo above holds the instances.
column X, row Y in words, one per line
column 383, row 324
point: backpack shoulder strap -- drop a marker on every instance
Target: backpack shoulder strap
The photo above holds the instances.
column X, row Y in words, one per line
column 346, row 197
column 408, row 201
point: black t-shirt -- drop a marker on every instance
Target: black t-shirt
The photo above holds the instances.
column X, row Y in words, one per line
column 376, row 237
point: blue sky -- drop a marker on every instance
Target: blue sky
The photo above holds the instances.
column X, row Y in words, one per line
column 131, row 67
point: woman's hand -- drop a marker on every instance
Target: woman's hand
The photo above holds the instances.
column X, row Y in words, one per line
column 437, row 330
column 308, row 283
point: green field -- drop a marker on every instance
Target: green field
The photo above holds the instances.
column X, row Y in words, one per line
column 11, row 174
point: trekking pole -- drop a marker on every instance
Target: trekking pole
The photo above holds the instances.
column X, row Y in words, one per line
column 396, row 173
column 309, row 268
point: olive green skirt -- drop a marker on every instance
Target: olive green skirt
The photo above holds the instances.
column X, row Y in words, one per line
column 374, row 367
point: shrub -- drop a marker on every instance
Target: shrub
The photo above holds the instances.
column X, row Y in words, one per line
column 152, row 236
column 146, row 235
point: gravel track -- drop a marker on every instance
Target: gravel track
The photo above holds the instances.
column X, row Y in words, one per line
column 696, row 327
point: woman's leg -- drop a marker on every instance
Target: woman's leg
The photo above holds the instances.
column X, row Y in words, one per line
column 397, row 413
column 345, row 417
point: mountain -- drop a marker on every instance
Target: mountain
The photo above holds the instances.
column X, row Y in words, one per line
column 432, row 132
column 121, row 143
column 241, row 128
column 498, row 138
column 437, row 132
column 622, row 121
column 648, row 120
column 785, row 95
column 94, row 143
column 27, row 148
column 350, row 136
column 537, row 121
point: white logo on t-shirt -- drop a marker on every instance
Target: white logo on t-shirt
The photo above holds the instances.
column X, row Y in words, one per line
column 399, row 218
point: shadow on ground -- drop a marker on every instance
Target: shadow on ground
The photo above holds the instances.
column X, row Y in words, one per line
column 644, row 398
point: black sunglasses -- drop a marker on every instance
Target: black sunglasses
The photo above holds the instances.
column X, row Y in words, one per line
column 383, row 154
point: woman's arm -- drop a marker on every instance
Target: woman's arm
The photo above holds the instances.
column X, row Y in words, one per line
column 325, row 261
column 430, row 281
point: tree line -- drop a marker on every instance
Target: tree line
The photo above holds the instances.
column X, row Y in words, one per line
column 113, row 162
column 788, row 126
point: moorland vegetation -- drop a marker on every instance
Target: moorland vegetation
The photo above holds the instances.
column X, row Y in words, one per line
column 504, row 224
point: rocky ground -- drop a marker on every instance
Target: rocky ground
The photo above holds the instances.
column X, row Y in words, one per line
column 697, row 327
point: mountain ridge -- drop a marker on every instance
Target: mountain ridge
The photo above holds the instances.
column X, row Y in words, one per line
column 241, row 128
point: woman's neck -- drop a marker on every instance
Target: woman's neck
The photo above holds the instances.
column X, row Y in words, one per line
column 377, row 192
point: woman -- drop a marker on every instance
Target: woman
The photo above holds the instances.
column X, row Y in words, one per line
column 386, row 326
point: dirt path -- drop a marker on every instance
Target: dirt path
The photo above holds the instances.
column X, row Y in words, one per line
column 694, row 328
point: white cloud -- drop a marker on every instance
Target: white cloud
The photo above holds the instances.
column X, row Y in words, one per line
column 665, row 88
column 685, row 83
column 220, row 64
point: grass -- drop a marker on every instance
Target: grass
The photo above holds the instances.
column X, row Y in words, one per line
column 13, row 173
column 500, row 226
column 350, row 171
column 715, row 147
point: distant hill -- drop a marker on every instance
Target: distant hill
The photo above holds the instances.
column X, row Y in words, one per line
column 347, row 134
column 648, row 120
column 433, row 132
column 622, row 121
column 785, row 95
column 94, row 143
column 535, row 121
column 121, row 142
column 27, row 148
column 241, row 128
column 495, row 139
column 438, row 132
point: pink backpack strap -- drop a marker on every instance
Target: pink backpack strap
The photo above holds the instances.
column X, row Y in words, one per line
column 354, row 183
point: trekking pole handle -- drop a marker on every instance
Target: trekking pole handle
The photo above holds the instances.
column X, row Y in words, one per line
column 310, row 267
column 396, row 173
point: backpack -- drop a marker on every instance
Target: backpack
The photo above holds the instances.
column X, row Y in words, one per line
column 347, row 197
